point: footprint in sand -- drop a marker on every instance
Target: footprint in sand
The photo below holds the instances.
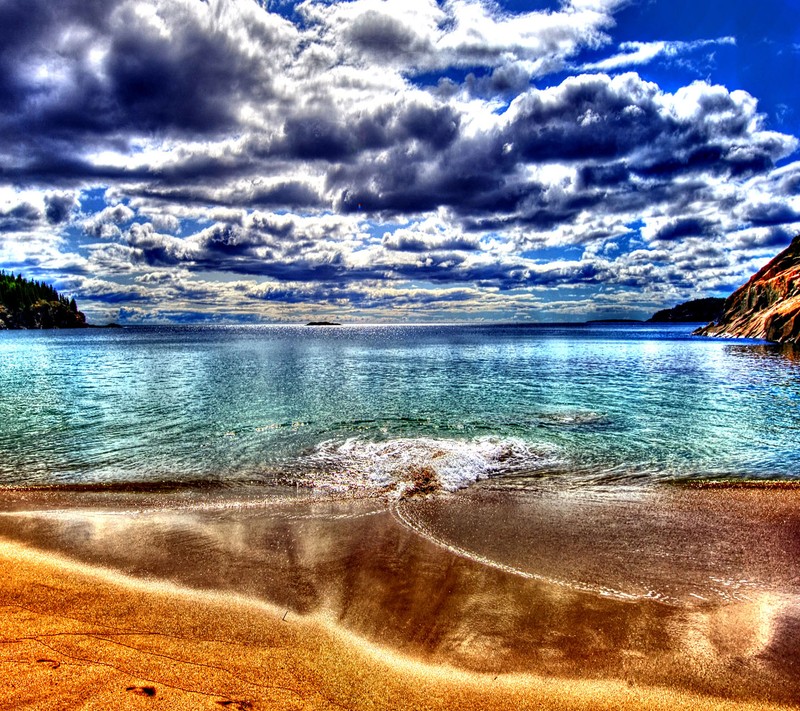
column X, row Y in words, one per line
column 142, row 690
column 52, row 663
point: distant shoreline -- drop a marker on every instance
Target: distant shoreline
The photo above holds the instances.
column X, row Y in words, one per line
column 614, row 320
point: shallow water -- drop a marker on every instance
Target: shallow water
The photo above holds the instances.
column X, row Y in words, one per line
column 360, row 408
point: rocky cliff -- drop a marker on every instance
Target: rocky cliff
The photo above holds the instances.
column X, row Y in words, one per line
column 767, row 306
column 696, row 311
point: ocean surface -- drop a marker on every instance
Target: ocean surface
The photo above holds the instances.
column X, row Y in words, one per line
column 492, row 498
column 390, row 410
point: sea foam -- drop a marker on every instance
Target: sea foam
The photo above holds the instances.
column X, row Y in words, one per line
column 420, row 465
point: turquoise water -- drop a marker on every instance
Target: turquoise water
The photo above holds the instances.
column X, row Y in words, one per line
column 367, row 408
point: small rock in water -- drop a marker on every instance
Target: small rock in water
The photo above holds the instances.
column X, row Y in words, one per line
column 423, row 481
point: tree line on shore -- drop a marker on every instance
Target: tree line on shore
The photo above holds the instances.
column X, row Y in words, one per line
column 26, row 303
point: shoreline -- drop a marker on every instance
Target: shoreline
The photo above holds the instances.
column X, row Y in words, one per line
column 73, row 634
column 453, row 602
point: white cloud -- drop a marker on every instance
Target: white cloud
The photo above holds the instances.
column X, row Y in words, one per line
column 239, row 149
column 639, row 53
column 104, row 224
column 423, row 35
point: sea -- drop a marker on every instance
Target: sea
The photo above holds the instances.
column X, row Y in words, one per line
column 394, row 410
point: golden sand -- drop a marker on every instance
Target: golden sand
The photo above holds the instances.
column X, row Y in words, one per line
column 80, row 637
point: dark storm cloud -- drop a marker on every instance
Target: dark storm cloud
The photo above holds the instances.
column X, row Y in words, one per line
column 293, row 194
column 504, row 81
column 76, row 74
column 183, row 72
column 20, row 217
column 788, row 181
column 616, row 132
column 189, row 81
column 317, row 137
column 324, row 137
column 410, row 242
column 773, row 238
column 601, row 121
column 58, row 207
column 771, row 213
column 604, row 176
column 684, row 227
column 468, row 175
column 380, row 33
column 28, row 28
column 589, row 118
column 437, row 127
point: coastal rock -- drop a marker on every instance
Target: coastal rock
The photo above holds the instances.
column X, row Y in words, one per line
column 695, row 311
column 42, row 314
column 767, row 306
column 26, row 304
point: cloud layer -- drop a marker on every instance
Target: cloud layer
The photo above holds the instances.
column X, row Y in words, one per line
column 375, row 158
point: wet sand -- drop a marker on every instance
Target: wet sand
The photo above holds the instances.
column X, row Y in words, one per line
column 483, row 599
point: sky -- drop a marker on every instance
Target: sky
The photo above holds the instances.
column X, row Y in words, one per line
column 390, row 161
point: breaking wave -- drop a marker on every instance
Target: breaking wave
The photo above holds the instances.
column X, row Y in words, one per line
column 421, row 465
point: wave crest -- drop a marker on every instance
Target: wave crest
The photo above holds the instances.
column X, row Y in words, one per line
column 420, row 465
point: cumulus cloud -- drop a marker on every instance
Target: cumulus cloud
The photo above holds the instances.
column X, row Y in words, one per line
column 19, row 217
column 34, row 210
column 427, row 236
column 348, row 152
column 423, row 35
column 58, row 206
column 104, row 224
column 613, row 139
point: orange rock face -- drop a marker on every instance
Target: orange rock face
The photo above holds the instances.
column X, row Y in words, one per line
column 767, row 306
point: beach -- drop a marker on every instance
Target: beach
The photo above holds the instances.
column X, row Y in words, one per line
column 368, row 604
column 387, row 518
column 391, row 355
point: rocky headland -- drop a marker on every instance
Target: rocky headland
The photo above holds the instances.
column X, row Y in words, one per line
column 696, row 311
column 26, row 304
column 767, row 306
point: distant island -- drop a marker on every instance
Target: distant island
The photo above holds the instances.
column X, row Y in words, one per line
column 323, row 323
column 695, row 311
column 34, row 304
column 767, row 306
column 614, row 320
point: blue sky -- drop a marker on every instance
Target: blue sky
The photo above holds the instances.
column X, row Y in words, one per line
column 396, row 160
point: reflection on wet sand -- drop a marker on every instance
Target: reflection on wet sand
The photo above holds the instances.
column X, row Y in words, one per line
column 696, row 590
